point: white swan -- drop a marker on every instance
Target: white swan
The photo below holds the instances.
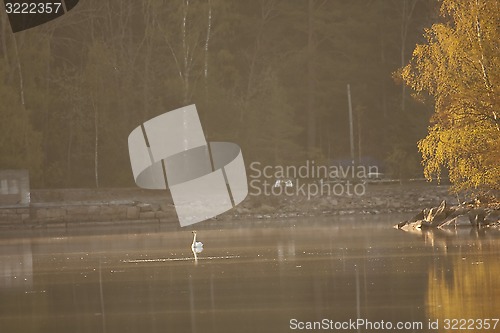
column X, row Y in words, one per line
column 196, row 246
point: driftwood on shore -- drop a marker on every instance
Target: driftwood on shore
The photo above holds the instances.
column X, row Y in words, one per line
column 459, row 215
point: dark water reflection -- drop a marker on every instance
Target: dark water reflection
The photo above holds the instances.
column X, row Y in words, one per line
column 251, row 277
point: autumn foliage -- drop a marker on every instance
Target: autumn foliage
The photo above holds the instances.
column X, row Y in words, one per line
column 459, row 68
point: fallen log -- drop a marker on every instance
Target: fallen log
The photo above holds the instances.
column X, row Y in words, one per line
column 444, row 215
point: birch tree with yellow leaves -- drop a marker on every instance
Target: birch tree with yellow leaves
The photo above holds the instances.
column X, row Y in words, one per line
column 459, row 68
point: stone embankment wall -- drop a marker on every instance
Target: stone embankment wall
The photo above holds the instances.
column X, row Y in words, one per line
column 76, row 206
column 110, row 206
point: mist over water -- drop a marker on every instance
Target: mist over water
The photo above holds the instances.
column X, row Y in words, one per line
column 251, row 276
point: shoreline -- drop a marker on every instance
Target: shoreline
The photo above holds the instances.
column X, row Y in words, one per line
column 118, row 206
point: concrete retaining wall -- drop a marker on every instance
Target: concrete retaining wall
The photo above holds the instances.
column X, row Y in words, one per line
column 63, row 207
column 14, row 188
column 72, row 214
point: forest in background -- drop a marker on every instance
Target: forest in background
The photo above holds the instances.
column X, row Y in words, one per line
column 269, row 75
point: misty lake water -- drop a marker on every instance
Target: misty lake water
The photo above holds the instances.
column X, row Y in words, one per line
column 252, row 276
